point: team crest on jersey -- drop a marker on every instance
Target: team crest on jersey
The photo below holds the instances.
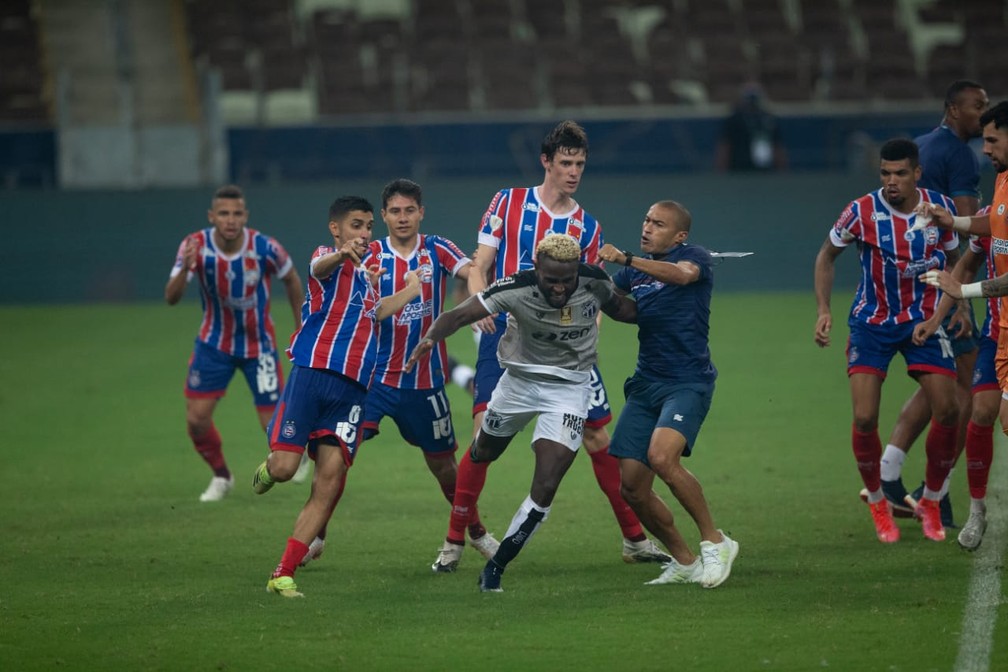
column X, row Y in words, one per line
column 566, row 315
column 289, row 430
column 251, row 277
column 575, row 224
column 426, row 271
column 588, row 310
column 1001, row 209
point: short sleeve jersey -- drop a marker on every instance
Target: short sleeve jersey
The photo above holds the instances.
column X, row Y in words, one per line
column 235, row 291
column 673, row 320
column 948, row 165
column 436, row 259
column 516, row 221
column 542, row 341
column 892, row 257
column 338, row 330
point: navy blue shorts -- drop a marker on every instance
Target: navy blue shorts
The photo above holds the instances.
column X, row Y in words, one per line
column 649, row 405
column 422, row 416
column 317, row 404
column 870, row 348
column 984, row 371
column 489, row 372
column 210, row 372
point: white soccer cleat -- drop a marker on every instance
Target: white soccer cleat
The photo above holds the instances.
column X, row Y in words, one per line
column 315, row 549
column 643, row 551
column 972, row 532
column 218, row 489
column 676, row 572
column 717, row 560
column 448, row 558
column 486, row 545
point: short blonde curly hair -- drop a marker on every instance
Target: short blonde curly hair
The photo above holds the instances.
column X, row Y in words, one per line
column 560, row 247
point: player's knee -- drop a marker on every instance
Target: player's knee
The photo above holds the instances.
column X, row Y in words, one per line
column 282, row 465
column 633, row 496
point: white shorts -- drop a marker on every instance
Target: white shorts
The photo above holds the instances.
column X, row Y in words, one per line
column 561, row 407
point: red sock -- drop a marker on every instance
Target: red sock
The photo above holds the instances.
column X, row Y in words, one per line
column 292, row 557
column 940, row 449
column 209, row 448
column 606, row 468
column 476, row 529
column 868, row 453
column 468, row 486
column 979, row 455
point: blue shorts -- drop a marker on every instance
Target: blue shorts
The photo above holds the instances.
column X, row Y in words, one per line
column 318, row 404
column 984, row 371
column 870, row 348
column 963, row 344
column 653, row 404
column 422, row 416
column 210, row 372
column 489, row 371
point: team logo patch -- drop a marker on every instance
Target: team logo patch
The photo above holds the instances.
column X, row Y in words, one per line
column 496, row 223
column 1001, row 209
column 426, row 272
column 588, row 310
column 976, row 376
column 852, row 355
column 492, row 419
column 289, row 430
column 251, row 278
column 566, row 315
column 194, row 378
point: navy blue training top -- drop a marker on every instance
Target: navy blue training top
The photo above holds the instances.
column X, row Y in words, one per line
column 673, row 320
column 948, row 165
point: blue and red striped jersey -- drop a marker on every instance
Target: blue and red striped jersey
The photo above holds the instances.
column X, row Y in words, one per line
column 892, row 257
column 516, row 221
column 338, row 329
column 235, row 291
column 982, row 245
column 436, row 259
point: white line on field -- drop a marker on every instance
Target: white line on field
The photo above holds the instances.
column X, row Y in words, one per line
column 977, row 632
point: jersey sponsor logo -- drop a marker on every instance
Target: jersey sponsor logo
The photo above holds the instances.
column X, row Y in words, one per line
column 677, row 417
column 999, row 246
column 532, row 207
column 880, row 216
column 915, row 268
column 572, row 335
column 415, row 311
column 240, row 302
column 574, row 423
column 566, row 315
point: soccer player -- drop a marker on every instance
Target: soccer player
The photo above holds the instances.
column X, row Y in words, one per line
column 416, row 400
column 670, row 392
column 995, row 145
column 233, row 265
column 548, row 350
column 890, row 300
column 986, row 390
column 948, row 166
column 334, row 353
column 516, row 220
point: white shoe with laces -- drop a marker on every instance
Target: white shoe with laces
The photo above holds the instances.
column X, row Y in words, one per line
column 218, row 489
column 643, row 551
column 448, row 558
column 315, row 549
column 486, row 545
column 676, row 572
column 717, row 560
column 972, row 532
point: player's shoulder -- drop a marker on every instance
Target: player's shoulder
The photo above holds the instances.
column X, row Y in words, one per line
column 592, row 272
column 516, row 282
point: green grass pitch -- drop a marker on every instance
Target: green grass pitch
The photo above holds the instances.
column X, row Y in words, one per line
column 109, row 562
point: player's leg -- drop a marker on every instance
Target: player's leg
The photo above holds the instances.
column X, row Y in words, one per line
column 979, row 456
column 911, row 423
column 209, row 373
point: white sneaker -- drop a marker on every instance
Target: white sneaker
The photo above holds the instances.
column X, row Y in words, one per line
column 972, row 532
column 303, row 470
column 486, row 545
column 218, row 489
column 315, row 549
column 676, row 572
column 717, row 560
column 448, row 558
column 643, row 551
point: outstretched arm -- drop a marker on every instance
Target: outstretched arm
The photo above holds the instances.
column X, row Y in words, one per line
column 446, row 324
column 978, row 225
column 677, row 273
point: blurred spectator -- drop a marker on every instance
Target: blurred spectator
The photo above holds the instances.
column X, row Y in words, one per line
column 750, row 137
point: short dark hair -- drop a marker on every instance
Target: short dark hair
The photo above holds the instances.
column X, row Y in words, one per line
column 957, row 88
column 683, row 217
column 998, row 114
column 229, row 191
column 344, row 204
column 898, row 149
column 403, row 187
column 567, row 135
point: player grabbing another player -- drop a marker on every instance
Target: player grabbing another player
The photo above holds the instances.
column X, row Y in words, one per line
column 889, row 302
column 334, row 353
column 548, row 351
column 233, row 265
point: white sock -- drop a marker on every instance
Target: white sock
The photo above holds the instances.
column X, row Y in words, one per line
column 875, row 497
column 978, row 505
column 521, row 515
column 948, row 481
column 892, row 462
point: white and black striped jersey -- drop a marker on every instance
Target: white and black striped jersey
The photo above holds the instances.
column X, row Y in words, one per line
column 546, row 342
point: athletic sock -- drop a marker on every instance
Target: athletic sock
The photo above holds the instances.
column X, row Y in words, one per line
column 468, row 486
column 607, row 473
column 940, row 448
column 867, row 449
column 979, row 456
column 892, row 462
column 476, row 528
column 209, row 448
column 292, row 557
column 526, row 521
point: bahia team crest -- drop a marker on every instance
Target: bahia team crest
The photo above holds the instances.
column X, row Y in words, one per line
column 852, row 355
column 289, row 430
